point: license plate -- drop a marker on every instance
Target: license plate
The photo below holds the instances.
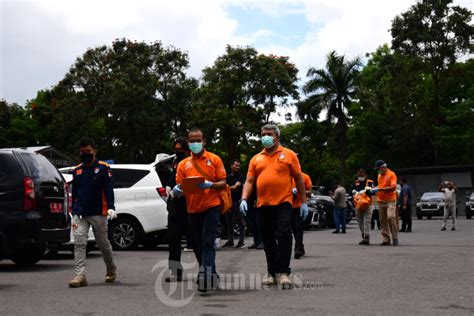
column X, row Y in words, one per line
column 56, row 207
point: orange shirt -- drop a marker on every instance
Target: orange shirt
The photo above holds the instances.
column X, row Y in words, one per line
column 389, row 179
column 273, row 174
column 307, row 186
column 211, row 164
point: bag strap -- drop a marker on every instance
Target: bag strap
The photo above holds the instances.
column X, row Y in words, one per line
column 198, row 169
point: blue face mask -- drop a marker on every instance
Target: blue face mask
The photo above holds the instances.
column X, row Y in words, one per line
column 196, row 148
column 267, row 141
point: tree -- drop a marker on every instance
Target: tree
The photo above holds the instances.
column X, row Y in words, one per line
column 131, row 96
column 434, row 33
column 238, row 94
column 333, row 90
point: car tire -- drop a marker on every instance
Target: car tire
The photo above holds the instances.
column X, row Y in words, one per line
column 27, row 256
column 419, row 216
column 468, row 216
column 125, row 233
column 428, row 217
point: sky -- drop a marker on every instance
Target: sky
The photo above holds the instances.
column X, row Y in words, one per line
column 40, row 40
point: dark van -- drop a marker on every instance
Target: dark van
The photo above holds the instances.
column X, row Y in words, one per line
column 34, row 202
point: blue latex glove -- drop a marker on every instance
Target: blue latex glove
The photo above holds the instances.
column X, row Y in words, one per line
column 205, row 185
column 177, row 190
column 243, row 207
column 304, row 212
column 373, row 191
column 294, row 191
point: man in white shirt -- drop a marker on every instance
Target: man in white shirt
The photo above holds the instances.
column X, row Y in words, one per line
column 450, row 191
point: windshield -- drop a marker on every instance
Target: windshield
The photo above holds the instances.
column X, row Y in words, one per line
column 432, row 195
column 472, row 197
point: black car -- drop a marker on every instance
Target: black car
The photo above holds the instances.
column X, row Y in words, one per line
column 33, row 206
column 470, row 206
column 431, row 204
column 321, row 210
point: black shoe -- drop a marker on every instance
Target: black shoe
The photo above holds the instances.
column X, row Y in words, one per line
column 240, row 245
column 252, row 246
column 336, row 232
column 395, row 242
column 402, row 231
column 364, row 242
column 299, row 253
column 178, row 277
column 385, row 243
column 260, row 246
column 408, row 231
column 443, row 228
column 453, row 228
column 229, row 243
column 343, row 231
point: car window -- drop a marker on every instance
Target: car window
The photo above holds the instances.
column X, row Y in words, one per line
column 126, row 178
column 433, row 195
column 40, row 167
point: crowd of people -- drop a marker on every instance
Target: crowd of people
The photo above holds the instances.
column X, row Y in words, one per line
column 271, row 198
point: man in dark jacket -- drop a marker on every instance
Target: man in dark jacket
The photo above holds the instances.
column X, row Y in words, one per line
column 92, row 204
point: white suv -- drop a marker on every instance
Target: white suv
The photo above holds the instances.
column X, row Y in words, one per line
column 140, row 203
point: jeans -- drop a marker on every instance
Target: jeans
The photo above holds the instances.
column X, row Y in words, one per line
column 99, row 227
column 406, row 217
column 254, row 224
column 449, row 209
column 297, row 228
column 340, row 218
column 277, row 239
column 230, row 217
column 204, row 227
column 178, row 226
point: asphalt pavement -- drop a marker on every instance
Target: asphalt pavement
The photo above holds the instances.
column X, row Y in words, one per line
column 430, row 273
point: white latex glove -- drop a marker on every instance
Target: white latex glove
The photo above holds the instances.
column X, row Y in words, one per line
column 243, row 207
column 111, row 214
column 168, row 191
column 294, row 191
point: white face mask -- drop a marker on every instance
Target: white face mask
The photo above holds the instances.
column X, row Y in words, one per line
column 361, row 178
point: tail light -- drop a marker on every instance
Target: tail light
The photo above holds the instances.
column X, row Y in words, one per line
column 161, row 192
column 29, row 198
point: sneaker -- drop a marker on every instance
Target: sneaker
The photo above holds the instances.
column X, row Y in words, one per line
column 364, row 242
column 260, row 246
column 78, row 281
column 269, row 280
column 385, row 243
column 336, row 232
column 285, row 281
column 299, row 253
column 408, row 231
column 343, row 231
column 395, row 242
column 111, row 275
column 229, row 243
column 240, row 245
column 453, row 228
column 443, row 228
column 252, row 246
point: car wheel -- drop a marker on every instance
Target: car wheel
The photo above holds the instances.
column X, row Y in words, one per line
column 419, row 216
column 150, row 241
column 468, row 216
column 124, row 233
column 429, row 216
column 28, row 255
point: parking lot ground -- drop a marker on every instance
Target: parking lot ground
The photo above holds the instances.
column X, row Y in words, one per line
column 430, row 273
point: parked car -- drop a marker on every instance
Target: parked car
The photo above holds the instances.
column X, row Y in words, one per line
column 431, row 204
column 321, row 210
column 142, row 218
column 33, row 206
column 470, row 206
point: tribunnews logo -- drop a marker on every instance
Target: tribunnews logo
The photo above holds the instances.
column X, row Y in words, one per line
column 179, row 294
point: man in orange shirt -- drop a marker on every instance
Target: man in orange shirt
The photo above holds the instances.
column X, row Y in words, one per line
column 297, row 223
column 271, row 171
column 204, row 207
column 387, row 202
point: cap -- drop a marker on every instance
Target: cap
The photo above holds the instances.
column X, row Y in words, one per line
column 379, row 163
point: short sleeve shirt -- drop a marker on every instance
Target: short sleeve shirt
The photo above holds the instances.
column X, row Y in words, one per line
column 273, row 174
column 389, row 179
column 211, row 164
column 307, row 185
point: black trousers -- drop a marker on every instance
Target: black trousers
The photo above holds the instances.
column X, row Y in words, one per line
column 297, row 228
column 230, row 218
column 405, row 214
column 178, row 227
column 277, row 240
column 375, row 218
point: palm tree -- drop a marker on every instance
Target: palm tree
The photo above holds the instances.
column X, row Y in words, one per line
column 332, row 89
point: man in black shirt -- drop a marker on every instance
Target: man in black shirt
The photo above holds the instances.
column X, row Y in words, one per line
column 235, row 181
